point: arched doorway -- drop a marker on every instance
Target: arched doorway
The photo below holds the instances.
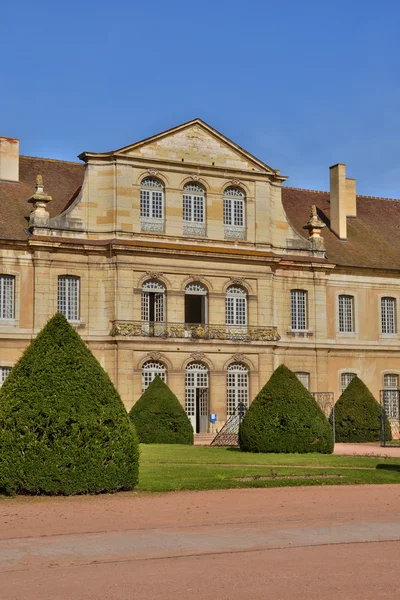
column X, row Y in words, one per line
column 196, row 396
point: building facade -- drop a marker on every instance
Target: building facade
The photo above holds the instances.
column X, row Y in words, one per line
column 185, row 256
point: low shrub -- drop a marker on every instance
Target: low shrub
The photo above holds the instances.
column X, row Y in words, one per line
column 159, row 418
column 284, row 417
column 357, row 415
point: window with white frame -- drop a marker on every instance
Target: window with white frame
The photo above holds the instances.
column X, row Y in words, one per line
column 68, row 297
column 7, row 291
column 234, row 206
column 193, row 203
column 150, row 371
column 346, row 379
column 237, row 387
column 4, row 372
column 236, row 306
column 153, row 301
column 304, row 378
column 388, row 315
column 151, row 202
column 298, row 309
column 346, row 313
column 391, row 395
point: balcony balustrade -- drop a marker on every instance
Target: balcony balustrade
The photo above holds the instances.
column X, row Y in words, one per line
column 195, row 331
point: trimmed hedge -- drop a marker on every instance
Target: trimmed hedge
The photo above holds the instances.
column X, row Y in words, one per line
column 284, row 417
column 159, row 417
column 63, row 427
column 357, row 415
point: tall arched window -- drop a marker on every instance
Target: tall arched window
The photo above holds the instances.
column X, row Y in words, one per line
column 7, row 292
column 391, row 395
column 193, row 209
column 152, row 205
column 150, row 370
column 68, row 297
column 195, row 303
column 196, row 396
column 153, row 305
column 236, row 306
column 237, row 387
column 234, row 213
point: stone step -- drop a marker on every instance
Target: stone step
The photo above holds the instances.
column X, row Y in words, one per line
column 203, row 439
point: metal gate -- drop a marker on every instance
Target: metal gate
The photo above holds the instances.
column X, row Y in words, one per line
column 390, row 418
column 229, row 434
column 326, row 402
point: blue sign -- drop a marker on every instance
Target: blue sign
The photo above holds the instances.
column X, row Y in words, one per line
column 213, row 418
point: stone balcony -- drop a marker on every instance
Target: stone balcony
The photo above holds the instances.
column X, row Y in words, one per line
column 196, row 331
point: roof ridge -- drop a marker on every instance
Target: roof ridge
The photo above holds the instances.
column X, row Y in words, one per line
column 288, row 187
column 58, row 160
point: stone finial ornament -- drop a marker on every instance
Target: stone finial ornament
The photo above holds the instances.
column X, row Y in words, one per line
column 314, row 226
column 39, row 216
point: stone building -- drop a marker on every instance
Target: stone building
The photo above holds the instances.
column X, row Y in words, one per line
column 185, row 256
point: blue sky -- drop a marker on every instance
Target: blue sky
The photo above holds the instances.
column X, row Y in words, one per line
column 300, row 84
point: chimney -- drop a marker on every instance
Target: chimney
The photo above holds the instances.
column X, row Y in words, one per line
column 342, row 199
column 9, row 159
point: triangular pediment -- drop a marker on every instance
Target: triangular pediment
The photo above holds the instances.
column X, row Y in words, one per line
column 195, row 142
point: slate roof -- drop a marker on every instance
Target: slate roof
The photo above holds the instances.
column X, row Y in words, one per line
column 62, row 181
column 373, row 237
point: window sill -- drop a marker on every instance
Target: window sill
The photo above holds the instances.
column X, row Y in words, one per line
column 234, row 232
column 191, row 228
column 152, row 225
column 303, row 333
column 8, row 323
column 77, row 324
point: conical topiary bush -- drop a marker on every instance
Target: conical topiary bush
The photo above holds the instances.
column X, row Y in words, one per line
column 63, row 427
column 159, row 417
column 357, row 415
column 284, row 417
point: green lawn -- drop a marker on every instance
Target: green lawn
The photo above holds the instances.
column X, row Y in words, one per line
column 172, row 467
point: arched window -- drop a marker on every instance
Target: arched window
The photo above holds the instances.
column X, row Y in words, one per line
column 195, row 303
column 153, row 301
column 68, row 297
column 196, row 396
column 193, row 209
column 298, row 310
column 152, row 205
column 236, row 306
column 304, row 378
column 391, row 395
column 7, row 292
column 150, row 370
column 234, row 213
column 237, row 387
column 345, row 380
column 388, row 315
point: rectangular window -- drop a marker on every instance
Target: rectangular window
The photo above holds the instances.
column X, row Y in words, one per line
column 298, row 307
column 68, row 297
column 346, row 378
column 151, row 204
column 304, row 378
column 388, row 315
column 4, row 371
column 346, row 314
column 7, row 296
column 234, row 212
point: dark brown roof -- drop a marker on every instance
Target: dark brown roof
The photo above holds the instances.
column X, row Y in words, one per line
column 373, row 237
column 61, row 181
